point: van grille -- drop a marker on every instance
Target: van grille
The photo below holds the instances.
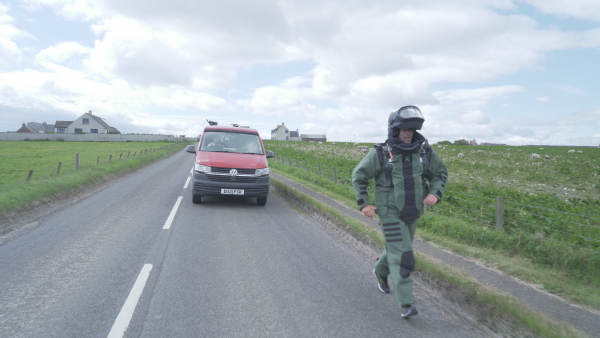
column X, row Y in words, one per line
column 226, row 171
column 239, row 179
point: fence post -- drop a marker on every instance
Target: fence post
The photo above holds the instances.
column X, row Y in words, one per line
column 296, row 163
column 334, row 174
column 110, row 158
column 499, row 213
column 120, row 156
column 29, row 176
column 319, row 166
column 77, row 161
column 290, row 161
column 58, row 170
column 98, row 160
column 128, row 154
column 306, row 165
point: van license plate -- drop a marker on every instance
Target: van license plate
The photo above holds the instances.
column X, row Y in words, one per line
column 232, row 192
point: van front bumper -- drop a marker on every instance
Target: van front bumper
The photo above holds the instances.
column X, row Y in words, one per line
column 211, row 186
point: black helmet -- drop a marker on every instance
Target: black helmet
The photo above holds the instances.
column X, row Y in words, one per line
column 407, row 117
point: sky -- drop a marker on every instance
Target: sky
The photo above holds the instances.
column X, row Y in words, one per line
column 500, row 71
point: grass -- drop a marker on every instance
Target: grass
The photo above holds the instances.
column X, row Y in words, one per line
column 43, row 157
column 560, row 268
column 475, row 291
column 555, row 198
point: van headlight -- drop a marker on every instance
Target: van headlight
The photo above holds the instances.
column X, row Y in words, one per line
column 262, row 172
column 202, row 168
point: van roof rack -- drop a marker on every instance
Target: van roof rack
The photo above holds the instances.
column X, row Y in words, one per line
column 212, row 123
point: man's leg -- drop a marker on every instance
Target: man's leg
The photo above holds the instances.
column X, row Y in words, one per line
column 381, row 266
column 400, row 259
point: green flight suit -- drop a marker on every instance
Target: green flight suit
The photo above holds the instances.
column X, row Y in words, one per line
column 399, row 206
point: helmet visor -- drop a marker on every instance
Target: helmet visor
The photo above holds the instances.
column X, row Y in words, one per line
column 410, row 113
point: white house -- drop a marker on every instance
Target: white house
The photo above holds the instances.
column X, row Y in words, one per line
column 89, row 123
column 281, row 133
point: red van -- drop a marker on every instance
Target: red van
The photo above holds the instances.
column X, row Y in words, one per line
column 230, row 161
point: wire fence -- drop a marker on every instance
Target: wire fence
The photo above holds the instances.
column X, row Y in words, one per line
column 576, row 229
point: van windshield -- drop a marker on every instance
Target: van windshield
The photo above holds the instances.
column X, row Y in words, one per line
column 231, row 142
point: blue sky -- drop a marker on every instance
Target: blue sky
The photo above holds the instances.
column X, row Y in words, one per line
column 515, row 72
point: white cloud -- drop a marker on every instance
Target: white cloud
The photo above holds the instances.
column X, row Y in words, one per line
column 61, row 52
column 370, row 58
column 580, row 9
column 568, row 89
column 542, row 99
column 10, row 54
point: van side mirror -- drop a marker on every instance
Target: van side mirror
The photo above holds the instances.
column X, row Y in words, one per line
column 191, row 149
column 270, row 154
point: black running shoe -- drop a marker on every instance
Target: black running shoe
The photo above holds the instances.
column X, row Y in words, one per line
column 408, row 311
column 381, row 282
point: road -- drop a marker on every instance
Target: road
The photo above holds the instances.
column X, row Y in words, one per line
column 116, row 262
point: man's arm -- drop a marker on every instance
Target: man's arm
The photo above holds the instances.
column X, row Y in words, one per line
column 438, row 176
column 367, row 169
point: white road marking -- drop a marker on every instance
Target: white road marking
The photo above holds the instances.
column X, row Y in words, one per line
column 124, row 317
column 187, row 182
column 172, row 214
column 192, row 171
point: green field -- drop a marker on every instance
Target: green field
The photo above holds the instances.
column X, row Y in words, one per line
column 17, row 158
column 557, row 197
column 551, row 207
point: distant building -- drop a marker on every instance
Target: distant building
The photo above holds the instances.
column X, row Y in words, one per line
column 61, row 126
column 36, row 127
column 294, row 136
column 280, row 133
column 89, row 123
column 313, row 137
column 473, row 142
column 492, row 144
column 26, row 129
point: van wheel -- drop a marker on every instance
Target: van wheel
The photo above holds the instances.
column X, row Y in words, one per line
column 196, row 199
column 261, row 200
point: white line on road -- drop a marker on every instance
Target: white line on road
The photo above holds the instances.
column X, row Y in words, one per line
column 187, row 182
column 172, row 214
column 124, row 317
column 192, row 171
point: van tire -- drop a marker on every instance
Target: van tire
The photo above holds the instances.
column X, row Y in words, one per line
column 261, row 200
column 196, row 199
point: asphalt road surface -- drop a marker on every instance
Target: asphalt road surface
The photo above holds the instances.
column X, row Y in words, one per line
column 139, row 259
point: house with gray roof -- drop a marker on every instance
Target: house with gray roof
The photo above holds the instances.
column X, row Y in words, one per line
column 36, row 127
column 294, row 136
column 282, row 133
column 90, row 123
column 61, row 126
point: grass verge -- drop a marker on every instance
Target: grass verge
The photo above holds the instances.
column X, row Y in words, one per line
column 492, row 300
column 554, row 266
column 17, row 196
